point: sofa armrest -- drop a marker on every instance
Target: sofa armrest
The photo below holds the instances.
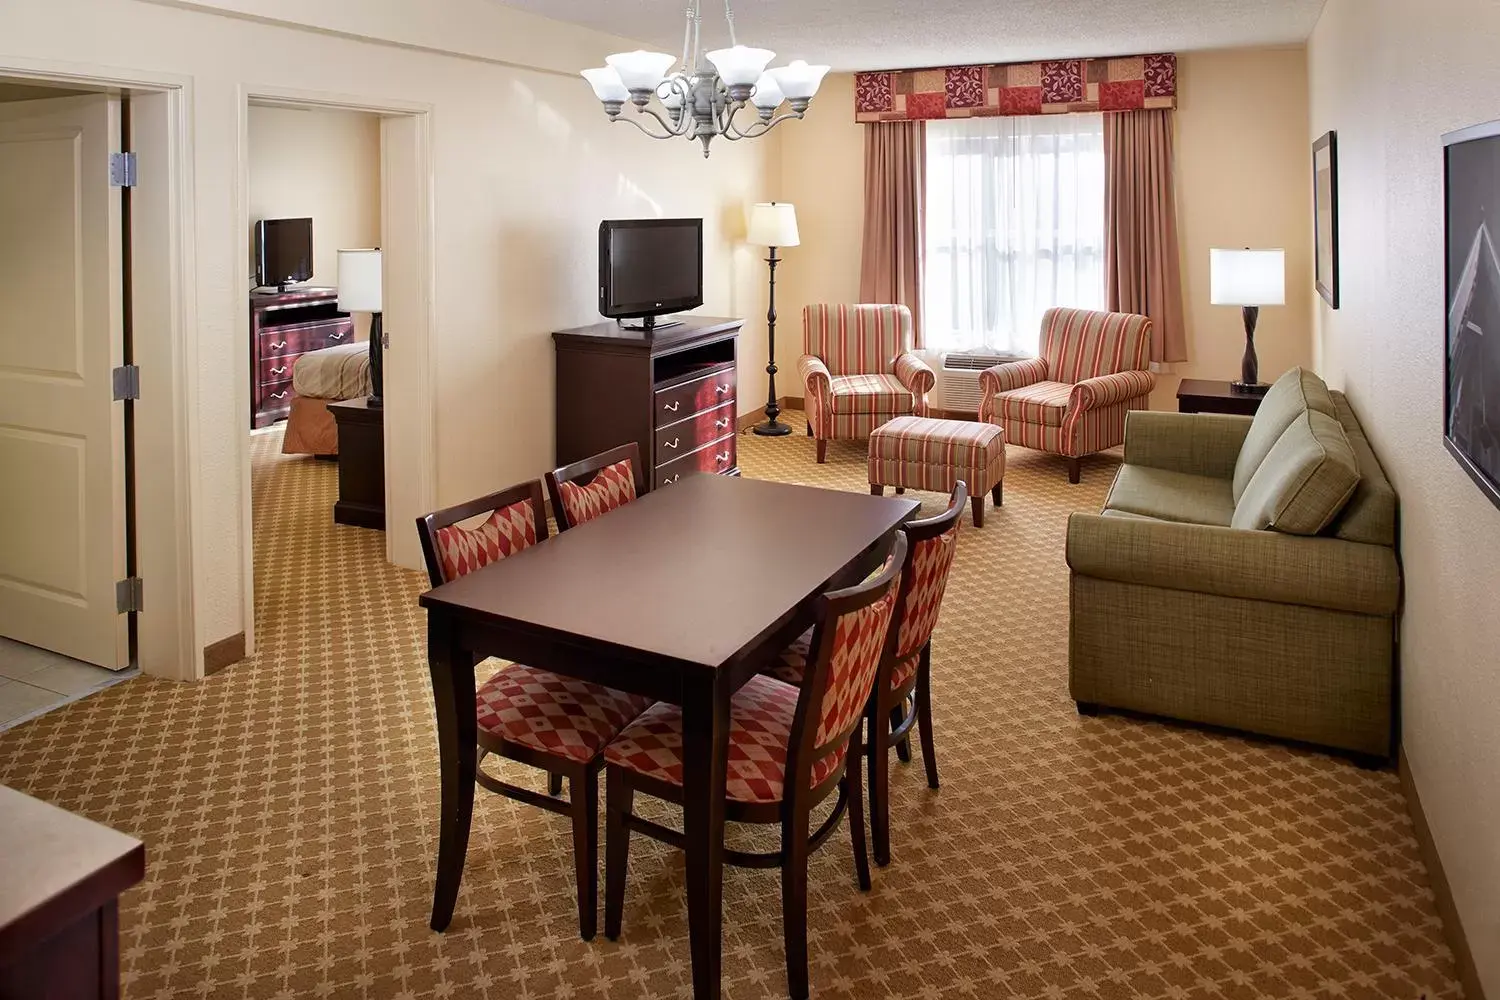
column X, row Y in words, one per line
column 1004, row 378
column 1201, row 444
column 918, row 376
column 1110, row 390
column 1231, row 562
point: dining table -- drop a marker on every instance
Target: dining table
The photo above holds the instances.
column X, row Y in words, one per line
column 682, row 596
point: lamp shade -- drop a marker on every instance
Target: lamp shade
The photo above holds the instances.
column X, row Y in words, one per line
column 799, row 81
column 741, row 65
column 773, row 224
column 359, row 281
column 607, row 84
column 768, row 95
column 1247, row 277
column 641, row 70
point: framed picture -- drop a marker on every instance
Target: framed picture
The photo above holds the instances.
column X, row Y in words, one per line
column 1326, row 215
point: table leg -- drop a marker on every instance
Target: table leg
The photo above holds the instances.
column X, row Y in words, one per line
column 453, row 691
column 705, row 722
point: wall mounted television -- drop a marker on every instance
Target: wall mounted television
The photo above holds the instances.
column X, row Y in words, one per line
column 649, row 268
column 283, row 252
column 1471, row 382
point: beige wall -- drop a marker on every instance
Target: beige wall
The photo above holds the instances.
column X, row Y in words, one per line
column 1391, row 77
column 524, row 167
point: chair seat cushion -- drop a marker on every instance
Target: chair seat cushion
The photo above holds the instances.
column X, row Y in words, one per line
column 557, row 715
column 760, row 731
column 791, row 666
column 1171, row 496
column 870, row 394
column 1042, row 403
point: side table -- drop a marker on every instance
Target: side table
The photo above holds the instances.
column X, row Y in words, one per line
column 361, row 500
column 1202, row 395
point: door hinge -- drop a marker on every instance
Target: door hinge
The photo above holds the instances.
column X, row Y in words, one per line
column 122, row 170
column 126, row 382
column 129, row 595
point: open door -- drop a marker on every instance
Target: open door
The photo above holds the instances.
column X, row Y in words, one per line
column 62, row 473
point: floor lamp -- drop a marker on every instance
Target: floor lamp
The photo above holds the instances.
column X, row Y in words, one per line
column 773, row 225
column 360, row 291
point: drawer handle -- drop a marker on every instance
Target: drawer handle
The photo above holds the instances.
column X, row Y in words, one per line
column 721, row 424
column 671, row 408
column 337, row 336
column 279, row 371
column 279, row 395
column 723, row 388
column 669, row 482
column 279, row 347
column 674, row 443
column 722, row 456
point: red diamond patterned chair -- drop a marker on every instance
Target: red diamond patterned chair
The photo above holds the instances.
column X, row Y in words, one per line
column 595, row 486
column 788, row 751
column 535, row 717
column 906, row 676
column 858, row 370
column 1072, row 400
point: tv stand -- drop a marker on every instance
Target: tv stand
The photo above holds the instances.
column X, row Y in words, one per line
column 649, row 324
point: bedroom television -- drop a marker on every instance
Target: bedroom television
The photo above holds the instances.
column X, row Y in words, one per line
column 283, row 252
column 1471, row 383
column 649, row 268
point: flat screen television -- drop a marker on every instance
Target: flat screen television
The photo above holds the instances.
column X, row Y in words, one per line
column 1471, row 185
column 283, row 251
column 650, row 267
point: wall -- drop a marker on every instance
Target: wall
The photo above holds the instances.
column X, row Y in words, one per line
column 1244, row 179
column 1391, row 77
column 524, row 167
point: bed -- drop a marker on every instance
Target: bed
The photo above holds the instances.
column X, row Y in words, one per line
column 320, row 378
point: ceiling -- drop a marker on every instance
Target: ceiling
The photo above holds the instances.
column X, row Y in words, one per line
column 899, row 34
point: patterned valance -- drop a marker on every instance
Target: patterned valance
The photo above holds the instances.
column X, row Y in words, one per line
column 1055, row 87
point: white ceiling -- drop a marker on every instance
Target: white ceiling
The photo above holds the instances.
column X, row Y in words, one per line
column 899, row 34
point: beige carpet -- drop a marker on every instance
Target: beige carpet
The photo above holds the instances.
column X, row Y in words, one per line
column 289, row 809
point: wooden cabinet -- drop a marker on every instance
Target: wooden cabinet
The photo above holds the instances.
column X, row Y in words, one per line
column 361, row 501
column 283, row 327
column 672, row 392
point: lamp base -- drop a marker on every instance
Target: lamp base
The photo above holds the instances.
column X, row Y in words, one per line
column 772, row 428
column 1249, row 388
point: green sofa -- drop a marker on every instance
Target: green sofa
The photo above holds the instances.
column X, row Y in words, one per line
column 1243, row 574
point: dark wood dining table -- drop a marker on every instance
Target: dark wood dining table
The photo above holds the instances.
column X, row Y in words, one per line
column 682, row 596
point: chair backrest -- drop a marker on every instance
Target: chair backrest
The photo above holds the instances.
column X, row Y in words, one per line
column 1081, row 343
column 857, row 340
column 931, row 545
column 850, row 641
column 595, row 486
column 516, row 521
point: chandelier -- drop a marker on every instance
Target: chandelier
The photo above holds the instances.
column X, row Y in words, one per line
column 703, row 102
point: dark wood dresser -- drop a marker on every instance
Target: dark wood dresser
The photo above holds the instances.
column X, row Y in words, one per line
column 283, row 326
column 671, row 391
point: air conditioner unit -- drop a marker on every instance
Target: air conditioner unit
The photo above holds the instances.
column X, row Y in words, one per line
column 958, row 379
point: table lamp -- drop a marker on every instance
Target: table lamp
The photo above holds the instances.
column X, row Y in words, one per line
column 359, row 291
column 773, row 224
column 1251, row 279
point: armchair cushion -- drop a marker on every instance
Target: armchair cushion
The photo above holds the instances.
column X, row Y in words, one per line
column 1044, row 403
column 871, row 394
column 1171, row 496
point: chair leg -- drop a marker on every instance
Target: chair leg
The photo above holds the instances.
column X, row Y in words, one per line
column 903, row 748
column 855, row 787
column 794, row 899
column 998, row 494
column 880, row 783
column 924, row 713
column 554, row 783
column 619, row 798
column 822, row 451
column 977, row 500
column 900, row 491
column 876, row 490
column 584, row 791
column 809, row 428
column 1073, row 471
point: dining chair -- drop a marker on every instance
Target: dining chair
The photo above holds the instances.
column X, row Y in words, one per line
column 789, row 750
column 902, row 697
column 595, row 486
column 535, row 717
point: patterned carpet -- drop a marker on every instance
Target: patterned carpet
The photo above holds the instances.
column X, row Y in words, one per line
column 289, row 807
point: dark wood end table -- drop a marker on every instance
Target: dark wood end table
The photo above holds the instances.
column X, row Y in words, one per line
column 361, row 427
column 1202, row 395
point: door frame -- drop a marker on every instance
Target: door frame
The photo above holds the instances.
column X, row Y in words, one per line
column 168, row 641
column 414, row 450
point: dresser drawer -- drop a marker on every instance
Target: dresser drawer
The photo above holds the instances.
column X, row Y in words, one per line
column 716, row 457
column 276, row 368
column 686, row 436
column 276, row 394
column 304, row 337
column 681, row 401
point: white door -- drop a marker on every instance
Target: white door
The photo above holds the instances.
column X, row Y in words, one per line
column 62, row 483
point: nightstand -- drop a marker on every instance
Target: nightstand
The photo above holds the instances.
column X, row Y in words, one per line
column 361, row 464
column 1201, row 395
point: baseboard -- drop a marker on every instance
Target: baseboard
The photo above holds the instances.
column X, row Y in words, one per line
column 224, row 653
column 1453, row 929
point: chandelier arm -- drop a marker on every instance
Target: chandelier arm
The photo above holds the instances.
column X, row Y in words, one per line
column 646, row 131
column 757, row 128
column 671, row 130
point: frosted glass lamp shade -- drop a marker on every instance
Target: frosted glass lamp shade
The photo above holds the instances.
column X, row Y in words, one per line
column 799, row 81
column 641, row 70
column 773, row 224
column 1247, row 277
column 740, row 66
column 607, row 84
column 359, row 281
column 768, row 95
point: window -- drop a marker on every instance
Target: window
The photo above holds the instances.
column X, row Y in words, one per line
column 1015, row 226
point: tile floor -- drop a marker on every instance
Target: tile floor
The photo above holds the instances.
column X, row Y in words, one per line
column 35, row 681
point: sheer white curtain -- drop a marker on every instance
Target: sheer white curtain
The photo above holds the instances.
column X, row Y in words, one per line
column 1015, row 226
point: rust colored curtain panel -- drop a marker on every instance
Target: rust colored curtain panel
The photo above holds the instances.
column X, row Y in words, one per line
column 1143, row 272
column 895, row 186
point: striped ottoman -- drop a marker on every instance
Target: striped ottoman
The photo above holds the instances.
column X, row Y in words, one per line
column 922, row 453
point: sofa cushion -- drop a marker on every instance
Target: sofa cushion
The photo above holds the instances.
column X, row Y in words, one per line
column 1164, row 495
column 1294, row 393
column 1305, row 481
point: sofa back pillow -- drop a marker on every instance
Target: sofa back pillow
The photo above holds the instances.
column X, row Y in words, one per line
column 1293, row 394
column 1306, row 479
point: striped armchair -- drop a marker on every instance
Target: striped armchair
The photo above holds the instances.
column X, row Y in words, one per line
column 1072, row 400
column 858, row 370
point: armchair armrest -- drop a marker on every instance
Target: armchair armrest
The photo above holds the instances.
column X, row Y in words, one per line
column 917, row 376
column 1109, row 390
column 1232, row 562
column 1004, row 378
column 818, row 384
column 1202, row 444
